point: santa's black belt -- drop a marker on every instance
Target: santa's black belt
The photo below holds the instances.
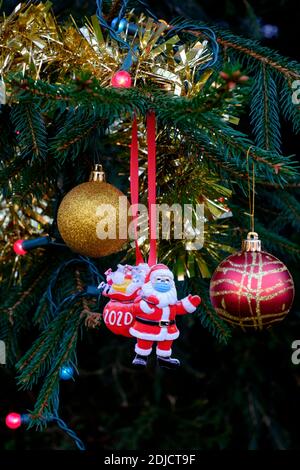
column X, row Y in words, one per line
column 155, row 323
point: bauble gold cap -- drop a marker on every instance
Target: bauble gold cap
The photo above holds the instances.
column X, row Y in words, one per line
column 252, row 242
column 97, row 174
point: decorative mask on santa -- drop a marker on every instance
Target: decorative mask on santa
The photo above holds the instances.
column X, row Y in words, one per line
column 155, row 311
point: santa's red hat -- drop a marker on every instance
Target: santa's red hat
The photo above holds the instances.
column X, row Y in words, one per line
column 159, row 269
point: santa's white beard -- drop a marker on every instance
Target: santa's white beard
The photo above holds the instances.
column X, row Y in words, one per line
column 165, row 298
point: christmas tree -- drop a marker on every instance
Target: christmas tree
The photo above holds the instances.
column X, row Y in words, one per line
column 219, row 101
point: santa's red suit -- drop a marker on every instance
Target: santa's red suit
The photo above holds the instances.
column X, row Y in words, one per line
column 155, row 315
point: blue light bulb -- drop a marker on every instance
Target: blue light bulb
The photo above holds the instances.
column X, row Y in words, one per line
column 122, row 25
column 119, row 26
column 114, row 23
column 66, row 372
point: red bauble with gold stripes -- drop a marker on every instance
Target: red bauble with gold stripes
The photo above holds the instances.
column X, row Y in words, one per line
column 251, row 288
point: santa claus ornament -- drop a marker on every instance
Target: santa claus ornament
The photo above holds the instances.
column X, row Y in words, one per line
column 155, row 312
column 143, row 298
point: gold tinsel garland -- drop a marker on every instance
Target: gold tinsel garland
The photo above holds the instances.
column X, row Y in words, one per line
column 32, row 43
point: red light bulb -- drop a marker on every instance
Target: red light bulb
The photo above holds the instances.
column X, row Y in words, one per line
column 121, row 79
column 13, row 420
column 18, row 248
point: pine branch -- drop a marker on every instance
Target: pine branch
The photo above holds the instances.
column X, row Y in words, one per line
column 271, row 241
column 296, row 184
column 86, row 312
column 177, row 113
column 231, row 146
column 290, row 109
column 44, row 350
column 24, row 182
column 228, row 173
column 30, row 129
column 289, row 208
column 247, row 49
column 265, row 111
column 254, row 57
column 277, row 243
column 214, row 324
column 65, row 354
column 7, row 137
column 77, row 138
column 207, row 315
column 74, row 135
column 106, row 103
column 26, row 294
column 17, row 305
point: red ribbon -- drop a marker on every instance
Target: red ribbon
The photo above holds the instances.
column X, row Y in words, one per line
column 134, row 185
column 151, row 131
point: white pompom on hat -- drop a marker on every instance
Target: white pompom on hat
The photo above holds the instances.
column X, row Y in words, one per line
column 161, row 270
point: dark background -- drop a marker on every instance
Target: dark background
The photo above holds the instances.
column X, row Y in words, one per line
column 241, row 396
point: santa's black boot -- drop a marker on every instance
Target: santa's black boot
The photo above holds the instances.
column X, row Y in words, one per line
column 168, row 362
column 140, row 361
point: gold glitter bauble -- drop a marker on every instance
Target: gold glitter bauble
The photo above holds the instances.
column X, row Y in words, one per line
column 89, row 209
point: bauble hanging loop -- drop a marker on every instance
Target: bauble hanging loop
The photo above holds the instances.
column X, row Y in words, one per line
column 97, row 174
column 252, row 242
